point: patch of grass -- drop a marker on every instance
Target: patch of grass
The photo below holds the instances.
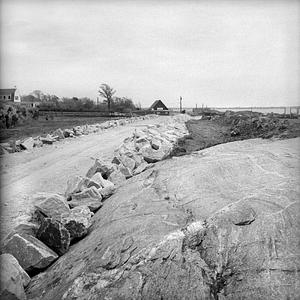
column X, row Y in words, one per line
column 42, row 126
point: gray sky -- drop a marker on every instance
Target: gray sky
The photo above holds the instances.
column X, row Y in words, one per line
column 220, row 53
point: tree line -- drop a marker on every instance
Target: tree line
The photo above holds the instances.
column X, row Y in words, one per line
column 109, row 103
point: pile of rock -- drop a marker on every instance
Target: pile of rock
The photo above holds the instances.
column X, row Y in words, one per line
column 57, row 220
column 252, row 124
column 59, row 134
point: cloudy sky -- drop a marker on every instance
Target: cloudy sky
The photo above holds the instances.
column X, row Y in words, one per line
column 220, row 53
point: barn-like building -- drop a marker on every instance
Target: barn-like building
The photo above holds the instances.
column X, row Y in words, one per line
column 159, row 107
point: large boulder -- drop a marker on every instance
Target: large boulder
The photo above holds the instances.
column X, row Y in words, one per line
column 30, row 252
column 78, row 221
column 53, row 206
column 53, row 234
column 13, row 278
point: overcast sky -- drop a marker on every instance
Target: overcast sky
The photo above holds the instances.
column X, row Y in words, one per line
column 220, row 53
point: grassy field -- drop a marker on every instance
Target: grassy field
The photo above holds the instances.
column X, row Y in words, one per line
column 42, row 126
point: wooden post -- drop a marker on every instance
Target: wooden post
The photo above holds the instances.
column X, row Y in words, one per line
column 180, row 104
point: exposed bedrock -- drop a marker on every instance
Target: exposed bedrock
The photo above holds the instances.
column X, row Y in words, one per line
column 222, row 223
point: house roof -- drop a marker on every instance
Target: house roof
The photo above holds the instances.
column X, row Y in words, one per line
column 158, row 103
column 7, row 91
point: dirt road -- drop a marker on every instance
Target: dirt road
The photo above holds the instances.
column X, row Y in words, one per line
column 47, row 169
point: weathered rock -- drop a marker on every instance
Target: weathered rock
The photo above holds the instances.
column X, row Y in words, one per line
column 141, row 168
column 183, row 246
column 99, row 182
column 53, row 206
column 107, row 191
column 92, row 203
column 128, row 162
column 38, row 143
column 99, row 166
column 54, row 235
column 59, row 133
column 47, row 140
column 30, row 252
column 117, row 177
column 75, row 185
column 151, row 155
column 27, row 144
column 91, row 192
column 68, row 133
column 126, row 172
column 78, row 221
column 27, row 228
column 155, row 144
column 13, row 278
column 90, row 197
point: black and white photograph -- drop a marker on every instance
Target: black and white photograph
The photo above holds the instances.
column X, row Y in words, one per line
column 149, row 149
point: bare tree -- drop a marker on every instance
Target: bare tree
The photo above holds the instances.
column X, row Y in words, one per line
column 107, row 93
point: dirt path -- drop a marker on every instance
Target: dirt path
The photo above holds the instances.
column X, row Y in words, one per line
column 47, row 169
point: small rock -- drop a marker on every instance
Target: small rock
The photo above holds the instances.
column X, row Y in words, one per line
column 90, row 197
column 54, row 235
column 128, row 162
column 75, row 185
column 26, row 228
column 107, row 191
column 27, row 144
column 99, row 182
column 30, row 252
column 48, row 141
column 117, row 177
column 150, row 155
column 99, row 166
column 13, row 278
column 59, row 133
column 155, row 144
column 68, row 133
column 53, row 207
column 141, row 168
column 38, row 143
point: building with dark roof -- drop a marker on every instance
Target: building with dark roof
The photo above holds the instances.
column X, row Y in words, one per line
column 9, row 95
column 159, row 107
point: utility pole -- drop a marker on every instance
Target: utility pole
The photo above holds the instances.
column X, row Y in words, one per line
column 180, row 107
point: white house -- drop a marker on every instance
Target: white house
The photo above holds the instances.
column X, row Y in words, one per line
column 10, row 95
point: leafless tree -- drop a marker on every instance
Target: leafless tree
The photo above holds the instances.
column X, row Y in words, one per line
column 107, row 93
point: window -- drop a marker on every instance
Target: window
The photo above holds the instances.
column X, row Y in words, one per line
column 3, row 97
column 16, row 97
column 9, row 97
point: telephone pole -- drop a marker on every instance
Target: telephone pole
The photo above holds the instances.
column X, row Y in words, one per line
column 180, row 104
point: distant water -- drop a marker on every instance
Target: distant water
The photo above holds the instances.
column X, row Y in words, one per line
column 278, row 110
column 266, row 110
